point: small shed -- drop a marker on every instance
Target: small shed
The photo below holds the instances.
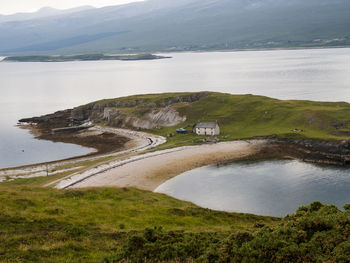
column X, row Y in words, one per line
column 207, row 128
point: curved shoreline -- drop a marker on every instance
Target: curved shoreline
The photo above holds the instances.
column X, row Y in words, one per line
column 148, row 171
column 102, row 141
column 138, row 141
column 129, row 167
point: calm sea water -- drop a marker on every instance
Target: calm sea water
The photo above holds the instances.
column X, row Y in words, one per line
column 30, row 89
column 272, row 188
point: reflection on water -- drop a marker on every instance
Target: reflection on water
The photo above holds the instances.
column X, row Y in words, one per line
column 271, row 188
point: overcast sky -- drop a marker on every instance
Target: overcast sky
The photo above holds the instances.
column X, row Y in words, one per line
column 15, row 6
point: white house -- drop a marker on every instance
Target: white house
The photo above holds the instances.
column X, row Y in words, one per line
column 207, row 128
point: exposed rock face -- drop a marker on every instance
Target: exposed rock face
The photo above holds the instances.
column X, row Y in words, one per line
column 81, row 113
column 55, row 120
column 165, row 117
column 154, row 113
column 157, row 117
column 150, row 114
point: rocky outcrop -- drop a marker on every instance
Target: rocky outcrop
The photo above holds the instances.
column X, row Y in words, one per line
column 145, row 113
column 317, row 151
column 155, row 118
column 55, row 120
column 96, row 111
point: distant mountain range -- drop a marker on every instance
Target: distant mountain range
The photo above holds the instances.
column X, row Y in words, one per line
column 169, row 25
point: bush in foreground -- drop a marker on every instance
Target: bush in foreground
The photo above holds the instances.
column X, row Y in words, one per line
column 107, row 224
column 315, row 233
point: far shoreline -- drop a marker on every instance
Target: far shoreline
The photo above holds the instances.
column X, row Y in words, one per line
column 256, row 49
column 82, row 58
column 164, row 52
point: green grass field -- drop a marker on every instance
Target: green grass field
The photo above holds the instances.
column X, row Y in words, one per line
column 249, row 116
column 130, row 225
column 47, row 225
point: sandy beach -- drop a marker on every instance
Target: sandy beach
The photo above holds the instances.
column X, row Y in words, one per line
column 150, row 170
column 133, row 166
column 136, row 142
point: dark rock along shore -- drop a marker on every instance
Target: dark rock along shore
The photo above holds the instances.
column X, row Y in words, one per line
column 317, row 151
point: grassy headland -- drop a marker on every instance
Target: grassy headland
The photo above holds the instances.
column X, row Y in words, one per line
column 239, row 116
column 247, row 116
column 87, row 57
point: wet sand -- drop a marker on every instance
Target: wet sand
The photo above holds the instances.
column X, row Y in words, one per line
column 103, row 141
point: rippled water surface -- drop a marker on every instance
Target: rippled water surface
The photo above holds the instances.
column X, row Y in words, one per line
column 272, row 188
column 29, row 89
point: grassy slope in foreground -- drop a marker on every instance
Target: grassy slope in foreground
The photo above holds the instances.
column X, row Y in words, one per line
column 47, row 225
column 247, row 116
column 108, row 225
column 87, row 57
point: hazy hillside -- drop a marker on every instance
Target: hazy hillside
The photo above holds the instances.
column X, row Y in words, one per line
column 167, row 25
column 41, row 13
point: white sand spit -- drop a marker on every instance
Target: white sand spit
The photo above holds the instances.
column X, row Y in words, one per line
column 149, row 170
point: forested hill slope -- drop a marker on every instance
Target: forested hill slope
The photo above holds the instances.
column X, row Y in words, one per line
column 167, row 25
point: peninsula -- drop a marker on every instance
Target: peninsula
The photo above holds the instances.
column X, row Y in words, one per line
column 141, row 131
column 86, row 57
column 128, row 222
column 324, row 125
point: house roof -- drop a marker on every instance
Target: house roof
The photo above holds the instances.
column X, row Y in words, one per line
column 211, row 125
